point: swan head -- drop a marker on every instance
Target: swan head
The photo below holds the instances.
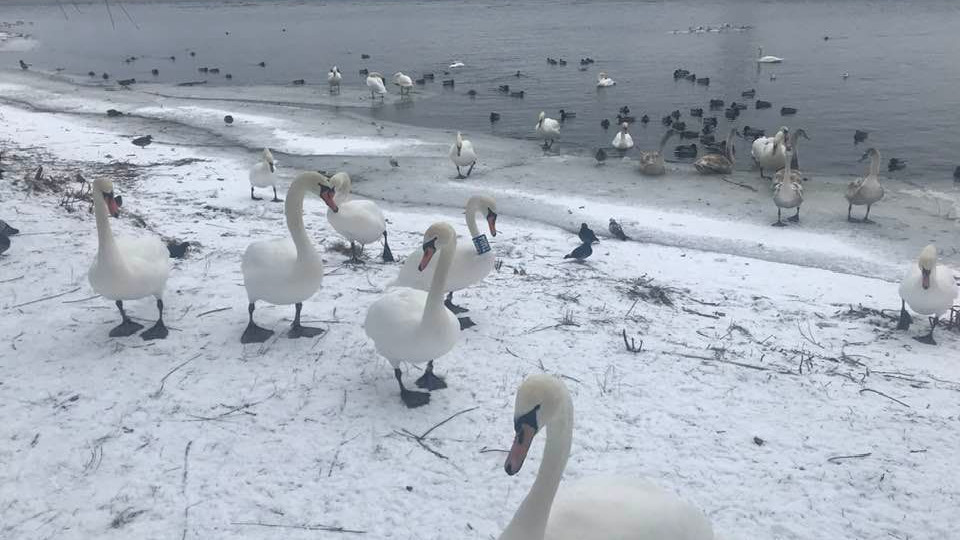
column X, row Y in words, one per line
column 397, row 75
column 268, row 159
column 927, row 262
column 437, row 236
column 486, row 205
column 624, row 127
column 104, row 188
column 871, row 153
column 321, row 186
column 601, row 76
column 376, row 75
column 540, row 399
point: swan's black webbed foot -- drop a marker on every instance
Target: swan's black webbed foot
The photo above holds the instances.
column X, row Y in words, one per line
column 927, row 339
column 905, row 319
column 255, row 334
column 299, row 331
column 779, row 224
column 455, row 309
column 254, row 197
column 126, row 328
column 430, row 380
column 275, row 198
column 466, row 322
column 157, row 331
column 868, row 221
column 795, row 218
column 411, row 398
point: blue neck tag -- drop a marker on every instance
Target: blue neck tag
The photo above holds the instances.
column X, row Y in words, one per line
column 481, row 244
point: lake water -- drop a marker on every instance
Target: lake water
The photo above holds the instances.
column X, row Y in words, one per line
column 901, row 58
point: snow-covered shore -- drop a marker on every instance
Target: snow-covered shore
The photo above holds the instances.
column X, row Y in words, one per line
column 759, row 370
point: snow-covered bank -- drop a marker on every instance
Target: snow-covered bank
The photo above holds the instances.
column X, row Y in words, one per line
column 756, row 377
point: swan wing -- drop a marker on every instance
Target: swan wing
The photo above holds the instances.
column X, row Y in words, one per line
column 358, row 220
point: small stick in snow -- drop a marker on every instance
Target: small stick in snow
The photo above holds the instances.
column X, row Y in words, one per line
column 80, row 300
column 738, row 184
column 218, row 310
column 838, row 459
column 44, row 298
column 186, row 466
column 486, row 450
column 164, row 379
column 884, row 395
column 12, row 279
column 707, row 315
column 324, row 528
column 419, row 438
column 632, row 344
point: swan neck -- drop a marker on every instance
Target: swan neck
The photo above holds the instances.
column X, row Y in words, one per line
column 107, row 246
column 435, row 311
column 875, row 166
column 293, row 208
column 471, row 215
column 530, row 521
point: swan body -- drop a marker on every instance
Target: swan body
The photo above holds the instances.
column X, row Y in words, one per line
column 334, row 77
column 462, row 155
column 264, row 174
column 547, row 129
column 287, row 270
column 603, row 81
column 767, row 59
column 376, row 84
column 718, row 163
column 413, row 326
column 651, row 163
column 403, row 81
column 127, row 268
column 359, row 221
column 468, row 267
column 865, row 191
column 622, row 140
column 600, row 508
column 929, row 289
column 768, row 152
column 788, row 193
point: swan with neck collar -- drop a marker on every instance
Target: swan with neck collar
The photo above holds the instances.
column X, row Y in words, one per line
column 612, row 508
column 469, row 266
column 462, row 155
column 359, row 221
column 865, row 191
column 264, row 174
column 413, row 326
column 929, row 289
column 127, row 268
column 289, row 270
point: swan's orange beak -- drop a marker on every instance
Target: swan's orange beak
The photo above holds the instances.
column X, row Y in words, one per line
column 518, row 452
column 492, row 222
column 429, row 249
column 113, row 204
column 327, row 194
column 926, row 278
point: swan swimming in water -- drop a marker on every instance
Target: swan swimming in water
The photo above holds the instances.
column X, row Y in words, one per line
column 929, row 289
column 547, row 129
column 612, row 507
column 767, row 59
column 603, row 81
column 622, row 140
column 127, row 268
column 413, row 326
column 264, row 174
column 462, row 155
column 867, row 190
column 376, row 84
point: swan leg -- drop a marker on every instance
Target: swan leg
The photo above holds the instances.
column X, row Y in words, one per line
column 297, row 330
column 779, row 222
column 411, row 398
column 158, row 330
column 275, row 198
column 254, row 333
column 866, row 217
column 126, row 327
column 928, row 338
column 354, row 254
column 387, row 255
column 460, row 175
column 905, row 319
column 453, row 307
column 470, row 170
column 764, row 176
column 796, row 217
column 430, row 380
column 254, row 197
column 466, row 322
column 850, row 218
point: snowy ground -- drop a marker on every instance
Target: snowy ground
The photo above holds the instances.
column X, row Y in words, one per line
column 759, row 370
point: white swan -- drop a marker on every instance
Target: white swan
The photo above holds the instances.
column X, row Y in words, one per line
column 127, row 268
column 613, row 508
column 413, row 326
column 719, row 163
column 404, row 82
column 867, row 190
column 792, row 170
column 376, row 84
column 334, row 78
column 788, row 192
column 603, row 81
column 264, row 174
column 767, row 152
column 462, row 155
column 471, row 262
column 547, row 129
column 457, row 64
column 767, row 59
column 359, row 221
column 622, row 140
column 929, row 289
column 286, row 271
column 651, row 163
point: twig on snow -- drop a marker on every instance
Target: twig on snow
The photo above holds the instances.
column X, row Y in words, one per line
column 707, row 315
column 838, row 459
column 420, row 438
column 862, row 390
column 218, row 310
column 171, row 372
column 45, row 298
column 324, row 528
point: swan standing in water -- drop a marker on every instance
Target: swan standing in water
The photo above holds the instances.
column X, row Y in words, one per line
column 359, row 221
column 603, row 81
column 264, row 174
column 548, row 129
column 127, row 268
column 929, row 289
column 651, row 163
column 788, row 192
column 333, row 79
column 462, row 155
column 377, row 85
column 761, row 59
column 413, row 326
column 622, row 140
column 286, row 271
column 600, row 508
column 404, row 82
column 719, row 163
column 471, row 262
column 867, row 190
